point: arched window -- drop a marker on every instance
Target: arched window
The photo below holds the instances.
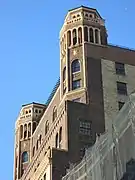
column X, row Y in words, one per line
column 96, row 36
column 54, row 113
column 46, row 127
column 33, row 150
column 64, row 74
column 21, row 131
column 91, row 35
column 75, row 66
column 60, row 137
column 25, row 131
column 56, row 141
column 85, row 34
column 29, row 129
column 37, row 145
column 24, row 157
column 80, row 35
column 69, row 38
column 74, row 37
column 40, row 138
column 34, row 126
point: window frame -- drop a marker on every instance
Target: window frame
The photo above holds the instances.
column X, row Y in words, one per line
column 120, row 89
column 76, row 87
column 120, row 68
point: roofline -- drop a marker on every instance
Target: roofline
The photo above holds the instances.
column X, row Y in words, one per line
column 33, row 103
column 86, row 8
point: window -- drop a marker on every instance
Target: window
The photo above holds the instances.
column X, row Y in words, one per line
column 91, row 35
column 25, row 131
column 85, row 34
column 120, row 104
column 39, row 111
column 120, row 68
column 76, row 84
column 96, row 36
column 85, row 128
column 74, row 37
column 29, row 129
column 40, row 138
column 69, row 38
column 46, row 127
column 33, row 150
column 24, row 157
column 64, row 74
column 122, row 88
column 60, row 137
column 37, row 145
column 75, row 66
column 36, row 111
column 45, row 176
column 80, row 35
column 54, row 113
column 34, row 126
column 21, row 132
column 56, row 141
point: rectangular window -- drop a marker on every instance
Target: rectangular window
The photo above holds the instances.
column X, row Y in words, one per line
column 122, row 88
column 121, row 104
column 76, row 84
column 120, row 68
column 85, row 128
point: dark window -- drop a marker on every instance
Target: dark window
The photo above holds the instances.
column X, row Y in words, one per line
column 45, row 177
column 29, row 129
column 60, row 137
column 69, row 38
column 24, row 157
column 122, row 88
column 74, row 37
column 64, row 74
column 39, row 111
column 56, row 141
column 85, row 128
column 37, row 145
column 33, row 150
column 121, row 104
column 40, row 139
column 91, row 35
column 36, row 111
column 120, row 68
column 76, row 84
column 46, row 127
column 96, row 36
column 85, row 34
column 34, row 127
column 75, row 66
column 54, row 113
column 80, row 35
column 25, row 131
column 21, row 132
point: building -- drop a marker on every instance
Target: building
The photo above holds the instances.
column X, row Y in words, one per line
column 95, row 81
column 113, row 154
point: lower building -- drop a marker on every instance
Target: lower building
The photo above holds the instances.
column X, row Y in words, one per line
column 113, row 155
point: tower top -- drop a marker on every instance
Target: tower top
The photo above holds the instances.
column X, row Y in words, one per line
column 82, row 16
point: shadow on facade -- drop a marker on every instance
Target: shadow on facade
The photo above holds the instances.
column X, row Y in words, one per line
column 130, row 170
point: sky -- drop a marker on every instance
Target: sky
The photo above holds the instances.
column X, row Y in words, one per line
column 29, row 54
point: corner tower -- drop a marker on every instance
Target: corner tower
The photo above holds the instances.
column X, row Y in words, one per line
column 26, row 124
column 82, row 25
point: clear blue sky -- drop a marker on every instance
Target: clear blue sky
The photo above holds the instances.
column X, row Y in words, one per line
column 29, row 53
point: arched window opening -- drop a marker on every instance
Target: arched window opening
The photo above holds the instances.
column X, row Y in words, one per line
column 21, row 132
column 74, row 16
column 56, row 141
column 91, row 35
column 64, row 74
column 64, row 41
column 34, row 126
column 96, row 36
column 24, row 157
column 85, row 34
column 54, row 113
column 60, row 137
column 75, row 66
column 25, row 131
column 33, row 151
column 46, row 127
column 78, row 15
column 37, row 145
column 74, row 37
column 69, row 38
column 29, row 129
column 80, row 35
column 40, row 138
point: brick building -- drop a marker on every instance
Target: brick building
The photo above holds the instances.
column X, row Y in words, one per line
column 95, row 80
